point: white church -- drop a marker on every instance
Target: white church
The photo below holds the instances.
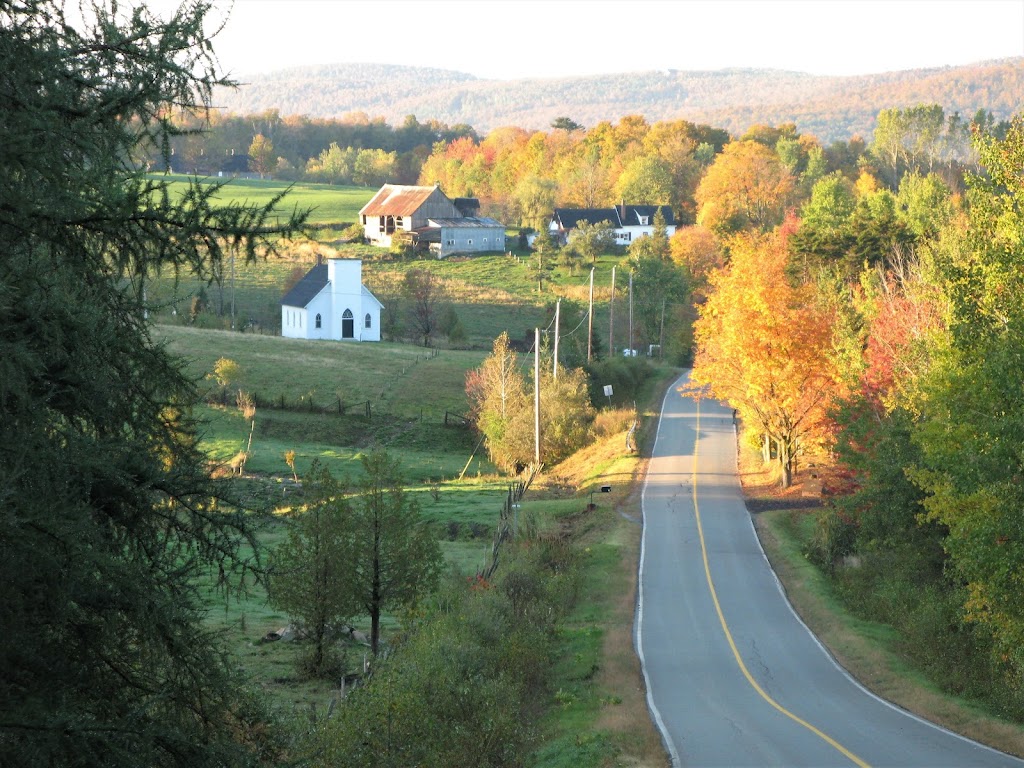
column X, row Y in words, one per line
column 331, row 302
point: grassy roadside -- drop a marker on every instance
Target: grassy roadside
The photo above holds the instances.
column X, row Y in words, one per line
column 865, row 649
column 599, row 716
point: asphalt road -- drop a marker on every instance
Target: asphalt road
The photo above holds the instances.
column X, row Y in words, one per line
column 734, row 678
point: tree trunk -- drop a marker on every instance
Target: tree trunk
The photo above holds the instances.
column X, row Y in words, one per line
column 785, row 463
column 375, row 596
column 766, row 449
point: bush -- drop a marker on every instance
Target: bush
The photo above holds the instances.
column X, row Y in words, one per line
column 626, row 376
column 466, row 686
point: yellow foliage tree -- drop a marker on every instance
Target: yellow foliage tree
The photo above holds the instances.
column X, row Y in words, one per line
column 763, row 346
column 746, row 188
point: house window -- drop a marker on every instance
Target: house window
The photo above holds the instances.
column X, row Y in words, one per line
column 347, row 325
column 643, row 221
column 319, row 321
column 367, row 321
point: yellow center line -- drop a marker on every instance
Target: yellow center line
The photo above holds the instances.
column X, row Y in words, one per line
column 728, row 635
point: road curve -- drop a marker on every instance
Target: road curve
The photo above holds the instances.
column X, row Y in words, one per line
column 734, row 678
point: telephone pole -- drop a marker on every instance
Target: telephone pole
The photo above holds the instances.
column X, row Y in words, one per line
column 590, row 318
column 661, row 334
column 536, row 397
column 630, row 314
column 558, row 308
column 611, row 319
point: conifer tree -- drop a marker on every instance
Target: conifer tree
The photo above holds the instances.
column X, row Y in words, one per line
column 107, row 513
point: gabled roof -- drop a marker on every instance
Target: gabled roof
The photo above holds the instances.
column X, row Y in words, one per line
column 630, row 214
column 307, row 288
column 619, row 216
column 570, row 218
column 397, row 200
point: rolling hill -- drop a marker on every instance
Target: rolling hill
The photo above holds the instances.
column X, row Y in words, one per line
column 832, row 108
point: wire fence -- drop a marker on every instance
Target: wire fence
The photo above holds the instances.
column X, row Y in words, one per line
column 508, row 520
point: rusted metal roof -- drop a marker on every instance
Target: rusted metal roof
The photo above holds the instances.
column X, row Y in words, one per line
column 397, row 200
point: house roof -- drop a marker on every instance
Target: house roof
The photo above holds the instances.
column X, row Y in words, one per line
column 570, row 218
column 630, row 214
column 307, row 288
column 619, row 216
column 397, row 200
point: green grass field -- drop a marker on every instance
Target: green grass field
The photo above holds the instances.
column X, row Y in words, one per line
column 398, row 379
column 328, row 204
column 490, row 294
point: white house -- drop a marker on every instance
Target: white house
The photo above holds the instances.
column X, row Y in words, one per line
column 331, row 302
column 630, row 222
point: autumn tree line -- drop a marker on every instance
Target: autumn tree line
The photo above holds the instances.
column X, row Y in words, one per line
column 877, row 323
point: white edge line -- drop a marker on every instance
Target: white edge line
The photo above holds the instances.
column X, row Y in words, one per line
column 833, row 659
column 666, row 739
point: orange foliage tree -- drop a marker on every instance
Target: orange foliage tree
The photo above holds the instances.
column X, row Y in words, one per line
column 763, row 346
column 746, row 188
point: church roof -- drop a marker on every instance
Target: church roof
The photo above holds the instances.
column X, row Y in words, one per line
column 307, row 288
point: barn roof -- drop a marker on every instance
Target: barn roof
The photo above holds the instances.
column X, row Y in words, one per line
column 308, row 287
column 397, row 200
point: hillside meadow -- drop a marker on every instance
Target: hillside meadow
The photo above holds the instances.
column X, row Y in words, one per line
column 327, row 204
column 490, row 293
column 463, row 512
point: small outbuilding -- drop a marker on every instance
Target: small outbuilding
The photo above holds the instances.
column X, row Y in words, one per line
column 331, row 302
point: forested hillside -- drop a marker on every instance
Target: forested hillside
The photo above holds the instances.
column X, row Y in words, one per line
column 831, row 108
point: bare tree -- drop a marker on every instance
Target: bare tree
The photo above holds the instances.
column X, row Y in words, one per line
column 422, row 291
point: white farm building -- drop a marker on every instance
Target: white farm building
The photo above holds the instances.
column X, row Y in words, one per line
column 331, row 302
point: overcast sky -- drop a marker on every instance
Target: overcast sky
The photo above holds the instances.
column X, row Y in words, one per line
column 508, row 39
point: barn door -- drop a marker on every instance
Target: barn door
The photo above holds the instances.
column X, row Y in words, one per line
column 347, row 325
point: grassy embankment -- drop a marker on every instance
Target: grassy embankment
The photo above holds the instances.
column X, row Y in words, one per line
column 870, row 651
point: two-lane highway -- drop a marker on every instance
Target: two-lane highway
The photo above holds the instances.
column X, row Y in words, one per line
column 734, row 678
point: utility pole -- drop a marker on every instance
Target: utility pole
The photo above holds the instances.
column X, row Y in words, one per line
column 536, row 397
column 611, row 319
column 631, row 314
column 232, row 288
column 590, row 318
column 558, row 309
column 661, row 333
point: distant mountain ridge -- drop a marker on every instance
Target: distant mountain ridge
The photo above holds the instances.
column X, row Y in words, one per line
column 831, row 108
